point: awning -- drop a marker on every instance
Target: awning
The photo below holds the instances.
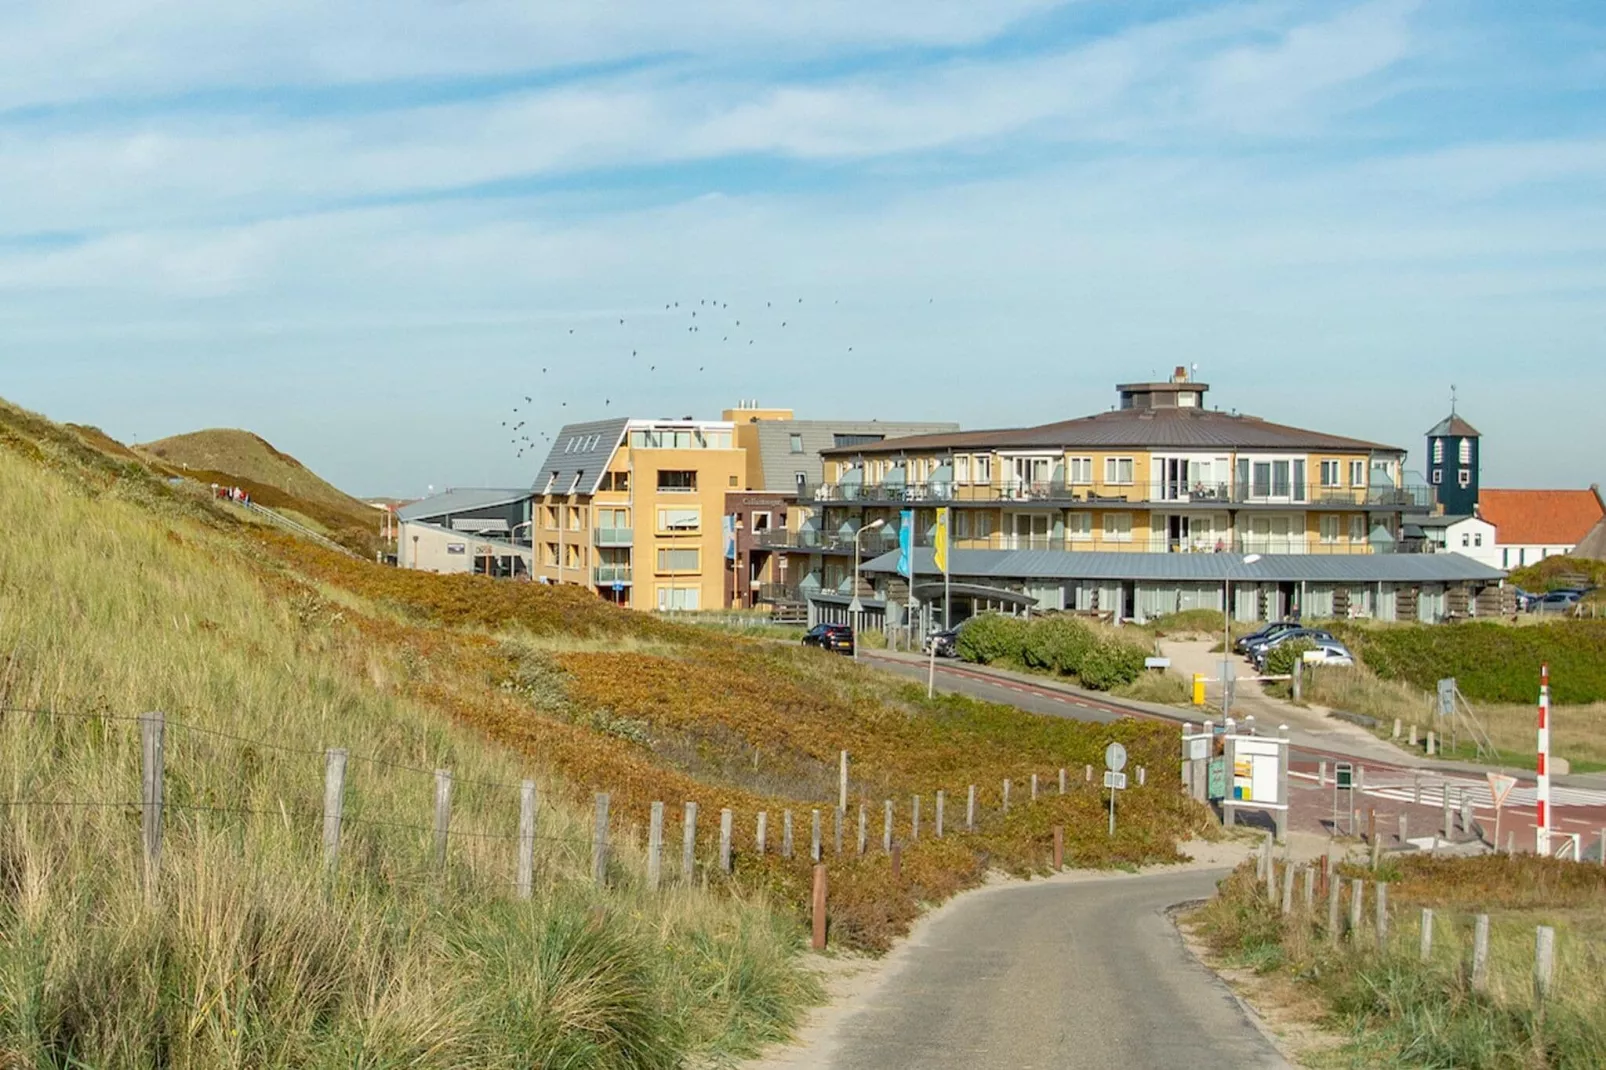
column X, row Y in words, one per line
column 933, row 592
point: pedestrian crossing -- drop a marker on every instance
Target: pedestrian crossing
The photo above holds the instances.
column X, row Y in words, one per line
column 1477, row 792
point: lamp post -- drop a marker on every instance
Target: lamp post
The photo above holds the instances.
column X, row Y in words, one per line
column 856, row 607
column 1226, row 638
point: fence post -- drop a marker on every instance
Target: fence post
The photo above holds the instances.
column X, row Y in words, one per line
column 1143, row 775
column 1332, row 910
column 817, row 907
column 1480, row 952
column 152, row 730
column 334, row 798
column 1416, row 777
column 1062, row 781
column 896, row 855
column 1034, row 787
column 599, row 842
column 1466, row 814
column 725, row 830
column 1310, row 889
column 1268, row 867
column 864, row 830
column 1403, row 827
column 842, row 782
column 1087, row 773
column 1448, row 827
column 443, row 814
column 786, row 834
column 914, row 818
column 886, row 827
column 1603, row 847
column 1288, row 888
column 688, row 845
column 815, row 853
column 655, row 843
column 1380, row 915
column 1357, row 897
column 526, row 867
column 939, row 815
column 1059, row 848
column 838, row 819
column 1544, row 962
column 762, row 832
column 1006, row 795
column 1424, row 949
column 970, row 810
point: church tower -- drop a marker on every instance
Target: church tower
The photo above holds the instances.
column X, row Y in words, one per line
column 1453, row 463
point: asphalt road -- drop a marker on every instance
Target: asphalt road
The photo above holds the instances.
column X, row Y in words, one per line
column 1055, row 974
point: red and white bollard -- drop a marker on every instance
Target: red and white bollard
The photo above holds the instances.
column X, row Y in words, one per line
column 1542, row 818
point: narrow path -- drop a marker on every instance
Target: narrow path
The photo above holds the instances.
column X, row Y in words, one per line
column 1076, row 971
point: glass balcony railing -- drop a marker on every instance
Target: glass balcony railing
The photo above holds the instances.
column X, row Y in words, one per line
column 1070, row 495
column 612, row 536
column 609, row 574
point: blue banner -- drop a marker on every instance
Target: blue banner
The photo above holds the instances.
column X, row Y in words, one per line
column 906, row 544
column 729, row 528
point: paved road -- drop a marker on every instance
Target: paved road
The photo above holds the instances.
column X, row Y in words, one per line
column 1055, row 974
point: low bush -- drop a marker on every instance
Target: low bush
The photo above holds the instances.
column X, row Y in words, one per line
column 1285, row 657
column 1099, row 659
column 1491, row 662
column 992, row 637
column 1110, row 663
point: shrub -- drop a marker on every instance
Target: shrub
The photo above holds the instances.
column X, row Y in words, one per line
column 992, row 637
column 1110, row 663
column 1058, row 643
column 1491, row 662
column 1285, row 657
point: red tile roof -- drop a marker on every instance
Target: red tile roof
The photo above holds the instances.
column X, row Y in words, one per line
column 1540, row 517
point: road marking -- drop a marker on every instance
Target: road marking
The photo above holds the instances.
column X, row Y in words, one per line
column 1477, row 792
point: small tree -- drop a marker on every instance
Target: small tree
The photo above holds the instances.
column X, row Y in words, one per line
column 1285, row 658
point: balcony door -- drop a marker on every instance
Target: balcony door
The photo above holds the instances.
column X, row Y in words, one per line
column 1031, row 475
column 1027, row 531
column 1277, row 479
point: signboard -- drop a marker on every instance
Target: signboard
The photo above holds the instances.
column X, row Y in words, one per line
column 618, row 587
column 1500, row 787
column 457, row 547
column 1216, row 778
column 1196, row 748
column 1344, row 775
column 1114, row 780
column 1156, row 663
column 1255, row 767
column 1115, row 757
column 1447, row 697
column 1313, row 657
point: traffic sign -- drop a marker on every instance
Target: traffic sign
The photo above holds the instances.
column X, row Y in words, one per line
column 1114, row 780
column 1343, row 775
column 1115, row 757
column 618, row 586
column 1500, row 786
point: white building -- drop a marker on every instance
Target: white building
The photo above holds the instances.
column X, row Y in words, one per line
column 1531, row 525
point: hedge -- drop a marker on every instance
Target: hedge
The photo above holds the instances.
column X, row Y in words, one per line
column 1060, row 645
column 1491, row 662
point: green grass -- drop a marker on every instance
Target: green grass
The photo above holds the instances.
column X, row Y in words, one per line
column 1491, row 661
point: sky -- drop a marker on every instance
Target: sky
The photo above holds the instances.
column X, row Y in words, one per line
column 368, row 230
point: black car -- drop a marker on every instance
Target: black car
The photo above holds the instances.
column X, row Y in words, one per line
column 945, row 642
column 837, row 637
column 1266, row 631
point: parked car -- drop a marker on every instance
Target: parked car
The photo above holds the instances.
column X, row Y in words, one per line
column 946, row 641
column 837, row 637
column 1335, row 654
column 1525, row 599
column 1262, row 651
column 1557, row 602
column 1243, row 642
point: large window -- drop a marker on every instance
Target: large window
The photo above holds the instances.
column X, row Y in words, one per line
column 1079, row 471
column 1357, row 473
column 1117, row 527
column 672, row 599
column 984, row 468
column 1329, row 473
column 574, row 518
column 1078, row 526
column 1118, row 471
column 797, row 443
column 677, row 480
column 962, row 468
column 850, row 439
column 617, row 481
column 1329, row 529
column 678, row 559
column 679, row 519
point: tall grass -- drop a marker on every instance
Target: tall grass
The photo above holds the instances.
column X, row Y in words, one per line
column 247, row 958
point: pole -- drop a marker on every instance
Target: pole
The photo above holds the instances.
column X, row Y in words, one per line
column 1542, row 817
column 1226, row 646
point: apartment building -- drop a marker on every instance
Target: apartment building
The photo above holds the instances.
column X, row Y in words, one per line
column 1135, row 512
column 634, row 509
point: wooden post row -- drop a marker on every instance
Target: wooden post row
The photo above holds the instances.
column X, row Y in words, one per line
column 726, row 821
column 688, row 844
column 443, row 815
column 525, row 880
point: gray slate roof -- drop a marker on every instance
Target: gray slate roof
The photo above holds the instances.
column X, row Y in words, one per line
column 1437, row 521
column 781, row 465
column 1135, row 429
column 1454, row 425
column 1201, row 568
column 460, row 500
column 580, row 448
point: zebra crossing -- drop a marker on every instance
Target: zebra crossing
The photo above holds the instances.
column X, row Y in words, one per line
column 1477, row 793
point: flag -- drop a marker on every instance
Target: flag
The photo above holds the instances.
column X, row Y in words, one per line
column 906, row 543
column 728, row 529
column 939, row 541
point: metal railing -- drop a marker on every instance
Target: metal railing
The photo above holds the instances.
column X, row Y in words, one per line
column 612, row 536
column 610, row 574
column 1093, row 495
column 873, row 543
column 879, row 543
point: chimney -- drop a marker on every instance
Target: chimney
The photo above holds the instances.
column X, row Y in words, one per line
column 1180, row 375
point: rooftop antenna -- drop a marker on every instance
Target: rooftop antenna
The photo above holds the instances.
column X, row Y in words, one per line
column 1452, row 399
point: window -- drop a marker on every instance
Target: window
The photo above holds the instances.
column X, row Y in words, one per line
column 1437, row 477
column 551, row 555
column 761, row 522
column 1329, row 472
column 613, row 519
column 1329, row 529
column 961, row 520
column 1438, row 451
column 1078, row 526
column 797, row 443
column 1357, row 528
column 1466, row 451
column 984, row 468
column 962, row 468
column 1464, row 477
column 1357, row 473
column 679, row 520
column 549, row 515
column 1118, row 470
column 1187, row 399
column 1466, row 540
column 618, row 481
column 855, row 440
column 672, row 599
column 1477, row 538
column 1080, row 471
column 574, row 518
column 1118, row 527
column 674, row 480
column 678, row 559
column 733, row 481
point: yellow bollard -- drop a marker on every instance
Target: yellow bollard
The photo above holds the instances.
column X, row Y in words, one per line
column 1198, row 689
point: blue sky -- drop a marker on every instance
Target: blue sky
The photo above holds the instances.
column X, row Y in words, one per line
column 364, row 229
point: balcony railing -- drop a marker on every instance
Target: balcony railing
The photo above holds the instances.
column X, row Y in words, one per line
column 1071, row 495
column 1100, row 542
column 873, row 543
column 604, row 575
column 612, row 536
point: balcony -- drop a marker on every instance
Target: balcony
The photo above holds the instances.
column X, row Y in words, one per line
column 829, row 542
column 1072, row 495
column 612, row 537
column 608, row 575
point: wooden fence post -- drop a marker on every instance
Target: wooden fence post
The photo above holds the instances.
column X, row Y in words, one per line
column 1288, row 888
column 864, row 830
column 1357, row 899
column 726, row 820
column 334, row 799
column 842, row 782
column 1143, row 775
column 939, row 814
column 655, row 846
column 1006, row 795
column 1480, row 953
column 1403, row 829
column 896, row 855
column 1062, row 781
column 1087, row 773
column 814, row 837
column 886, row 827
column 688, row 845
column 1380, row 915
column 599, row 842
column 817, row 907
column 1059, row 848
column 914, row 818
column 786, row 834
column 838, row 819
column 526, row 865
column 970, row 810
column 762, row 832
column 1544, row 962
column 152, row 747
column 1424, row 949
column 1310, row 889
column 1034, row 787
column 443, row 814
column 1332, row 910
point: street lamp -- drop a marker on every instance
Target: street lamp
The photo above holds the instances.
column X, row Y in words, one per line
column 1226, row 638
column 856, row 607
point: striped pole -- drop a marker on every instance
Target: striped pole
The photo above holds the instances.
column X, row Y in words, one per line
column 1542, row 818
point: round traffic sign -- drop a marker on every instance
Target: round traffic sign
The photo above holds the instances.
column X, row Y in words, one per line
column 1115, row 757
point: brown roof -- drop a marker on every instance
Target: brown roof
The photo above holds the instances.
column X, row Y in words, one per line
column 1164, row 428
column 1540, row 517
column 1455, row 426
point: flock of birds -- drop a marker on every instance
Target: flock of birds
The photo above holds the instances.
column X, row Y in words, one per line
column 703, row 322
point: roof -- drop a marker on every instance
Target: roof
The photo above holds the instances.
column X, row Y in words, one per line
column 1165, row 428
column 1203, row 568
column 1453, row 425
column 781, row 465
column 1540, row 517
column 1593, row 545
column 461, row 500
column 583, row 450
column 1445, row 521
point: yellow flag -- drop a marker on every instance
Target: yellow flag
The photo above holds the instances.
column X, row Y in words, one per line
column 940, row 541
